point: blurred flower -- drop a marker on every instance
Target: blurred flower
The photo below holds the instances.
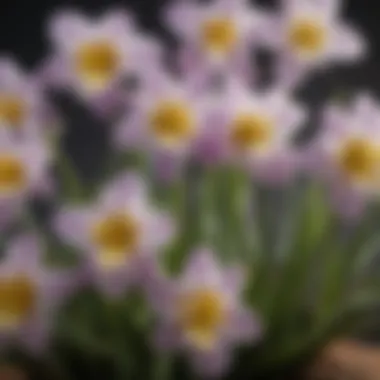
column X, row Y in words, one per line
column 165, row 120
column 30, row 294
column 347, row 154
column 308, row 35
column 94, row 56
column 120, row 233
column 24, row 168
column 255, row 129
column 216, row 35
column 202, row 313
column 23, row 109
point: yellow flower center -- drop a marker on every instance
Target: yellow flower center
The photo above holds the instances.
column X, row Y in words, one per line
column 117, row 237
column 12, row 174
column 307, row 37
column 17, row 300
column 201, row 313
column 360, row 159
column 97, row 63
column 172, row 122
column 12, row 110
column 250, row 132
column 219, row 35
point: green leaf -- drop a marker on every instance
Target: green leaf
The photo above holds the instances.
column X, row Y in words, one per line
column 313, row 229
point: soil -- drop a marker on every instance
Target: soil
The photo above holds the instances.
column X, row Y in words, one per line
column 347, row 360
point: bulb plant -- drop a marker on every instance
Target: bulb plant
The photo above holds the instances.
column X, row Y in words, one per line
column 211, row 241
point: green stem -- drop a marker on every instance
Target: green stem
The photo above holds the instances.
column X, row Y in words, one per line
column 161, row 370
column 121, row 355
column 185, row 205
column 264, row 248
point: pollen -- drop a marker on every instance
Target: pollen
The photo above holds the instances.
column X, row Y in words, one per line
column 250, row 132
column 307, row 37
column 219, row 35
column 97, row 63
column 13, row 176
column 201, row 314
column 12, row 110
column 116, row 237
column 360, row 159
column 172, row 122
column 17, row 300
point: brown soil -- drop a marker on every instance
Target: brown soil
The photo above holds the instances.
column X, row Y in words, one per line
column 347, row 360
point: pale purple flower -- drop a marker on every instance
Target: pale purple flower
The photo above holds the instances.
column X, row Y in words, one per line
column 218, row 35
column 95, row 55
column 346, row 154
column 308, row 35
column 255, row 129
column 118, row 234
column 164, row 121
column 202, row 313
column 23, row 109
column 30, row 295
column 24, row 173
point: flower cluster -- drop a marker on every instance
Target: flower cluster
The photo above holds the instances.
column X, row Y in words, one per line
column 206, row 109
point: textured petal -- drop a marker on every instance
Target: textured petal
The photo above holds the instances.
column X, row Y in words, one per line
column 10, row 210
column 72, row 225
column 244, row 327
column 25, row 253
column 159, row 231
column 202, row 269
column 122, row 190
column 66, row 26
column 347, row 44
column 161, row 293
column 289, row 74
column 182, row 17
column 117, row 21
column 130, row 133
column 327, row 8
column 234, row 280
column 11, row 74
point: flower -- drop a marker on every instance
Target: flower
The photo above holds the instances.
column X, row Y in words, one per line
column 22, row 106
column 346, row 154
column 119, row 234
column 94, row 56
column 254, row 129
column 216, row 35
column 24, row 165
column 165, row 121
column 201, row 312
column 308, row 35
column 30, row 295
